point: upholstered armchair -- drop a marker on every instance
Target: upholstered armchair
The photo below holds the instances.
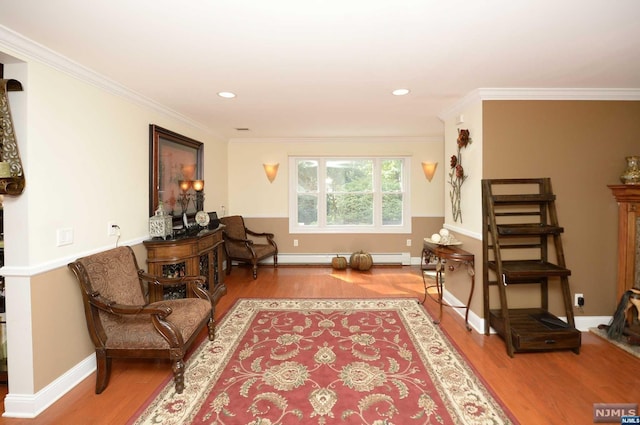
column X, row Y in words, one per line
column 122, row 323
column 245, row 245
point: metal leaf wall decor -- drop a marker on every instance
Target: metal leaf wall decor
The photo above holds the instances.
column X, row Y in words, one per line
column 12, row 182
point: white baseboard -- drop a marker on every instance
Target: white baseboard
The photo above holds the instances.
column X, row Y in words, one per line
column 476, row 322
column 401, row 258
column 583, row 323
column 31, row 405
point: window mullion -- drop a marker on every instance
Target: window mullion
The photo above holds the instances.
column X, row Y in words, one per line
column 377, row 193
column 322, row 193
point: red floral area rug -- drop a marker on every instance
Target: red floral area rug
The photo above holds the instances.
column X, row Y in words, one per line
column 327, row 361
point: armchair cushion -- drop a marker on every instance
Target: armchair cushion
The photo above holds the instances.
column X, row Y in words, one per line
column 125, row 331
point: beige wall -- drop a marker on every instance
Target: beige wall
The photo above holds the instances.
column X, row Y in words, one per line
column 581, row 145
column 471, row 222
column 468, row 229
column 265, row 205
column 60, row 337
column 85, row 151
column 251, row 194
column 346, row 243
column 59, row 317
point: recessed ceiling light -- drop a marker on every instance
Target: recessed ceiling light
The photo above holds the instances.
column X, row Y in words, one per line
column 400, row 92
column 226, row 94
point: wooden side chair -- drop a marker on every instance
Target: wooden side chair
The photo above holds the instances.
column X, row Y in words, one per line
column 243, row 245
column 121, row 321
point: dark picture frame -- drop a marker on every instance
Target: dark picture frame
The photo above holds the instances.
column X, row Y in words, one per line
column 172, row 157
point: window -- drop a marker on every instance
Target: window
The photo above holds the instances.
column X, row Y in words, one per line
column 349, row 195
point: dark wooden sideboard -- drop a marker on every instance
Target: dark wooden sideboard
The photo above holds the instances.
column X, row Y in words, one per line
column 202, row 254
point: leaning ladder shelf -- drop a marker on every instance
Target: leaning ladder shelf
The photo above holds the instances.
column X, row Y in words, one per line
column 520, row 224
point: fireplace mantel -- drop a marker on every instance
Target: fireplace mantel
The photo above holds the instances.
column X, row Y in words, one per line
column 628, row 198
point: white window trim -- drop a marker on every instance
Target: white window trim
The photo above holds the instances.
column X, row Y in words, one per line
column 321, row 228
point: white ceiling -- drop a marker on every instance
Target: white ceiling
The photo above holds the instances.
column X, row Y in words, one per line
column 326, row 68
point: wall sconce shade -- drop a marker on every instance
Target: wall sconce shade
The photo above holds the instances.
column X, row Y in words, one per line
column 198, row 185
column 429, row 169
column 271, row 170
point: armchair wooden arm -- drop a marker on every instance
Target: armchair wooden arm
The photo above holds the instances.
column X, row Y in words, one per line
column 113, row 307
column 267, row 235
column 240, row 240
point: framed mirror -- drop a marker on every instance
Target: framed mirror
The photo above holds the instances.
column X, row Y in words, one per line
column 173, row 158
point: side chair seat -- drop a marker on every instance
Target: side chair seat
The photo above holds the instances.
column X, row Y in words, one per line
column 123, row 324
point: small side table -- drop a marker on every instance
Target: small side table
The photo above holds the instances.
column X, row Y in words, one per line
column 446, row 254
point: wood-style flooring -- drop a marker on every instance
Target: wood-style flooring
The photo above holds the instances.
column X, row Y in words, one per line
column 539, row 388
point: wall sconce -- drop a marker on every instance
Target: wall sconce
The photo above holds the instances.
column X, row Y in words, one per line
column 429, row 169
column 185, row 197
column 198, row 186
column 271, row 170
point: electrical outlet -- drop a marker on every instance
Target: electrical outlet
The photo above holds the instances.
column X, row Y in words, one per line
column 578, row 300
column 408, row 242
column 112, row 228
column 295, row 242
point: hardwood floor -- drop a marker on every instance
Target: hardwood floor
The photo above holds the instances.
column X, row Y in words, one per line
column 539, row 388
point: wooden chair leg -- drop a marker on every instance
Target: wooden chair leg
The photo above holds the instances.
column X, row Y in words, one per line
column 178, row 375
column 634, row 301
column 103, row 370
column 212, row 329
column 255, row 270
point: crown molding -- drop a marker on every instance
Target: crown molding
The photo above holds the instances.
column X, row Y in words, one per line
column 377, row 139
column 32, row 50
column 482, row 94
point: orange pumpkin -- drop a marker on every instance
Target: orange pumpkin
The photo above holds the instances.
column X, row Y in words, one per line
column 339, row 263
column 361, row 261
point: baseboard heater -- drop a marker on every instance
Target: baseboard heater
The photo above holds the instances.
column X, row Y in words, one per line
column 400, row 258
